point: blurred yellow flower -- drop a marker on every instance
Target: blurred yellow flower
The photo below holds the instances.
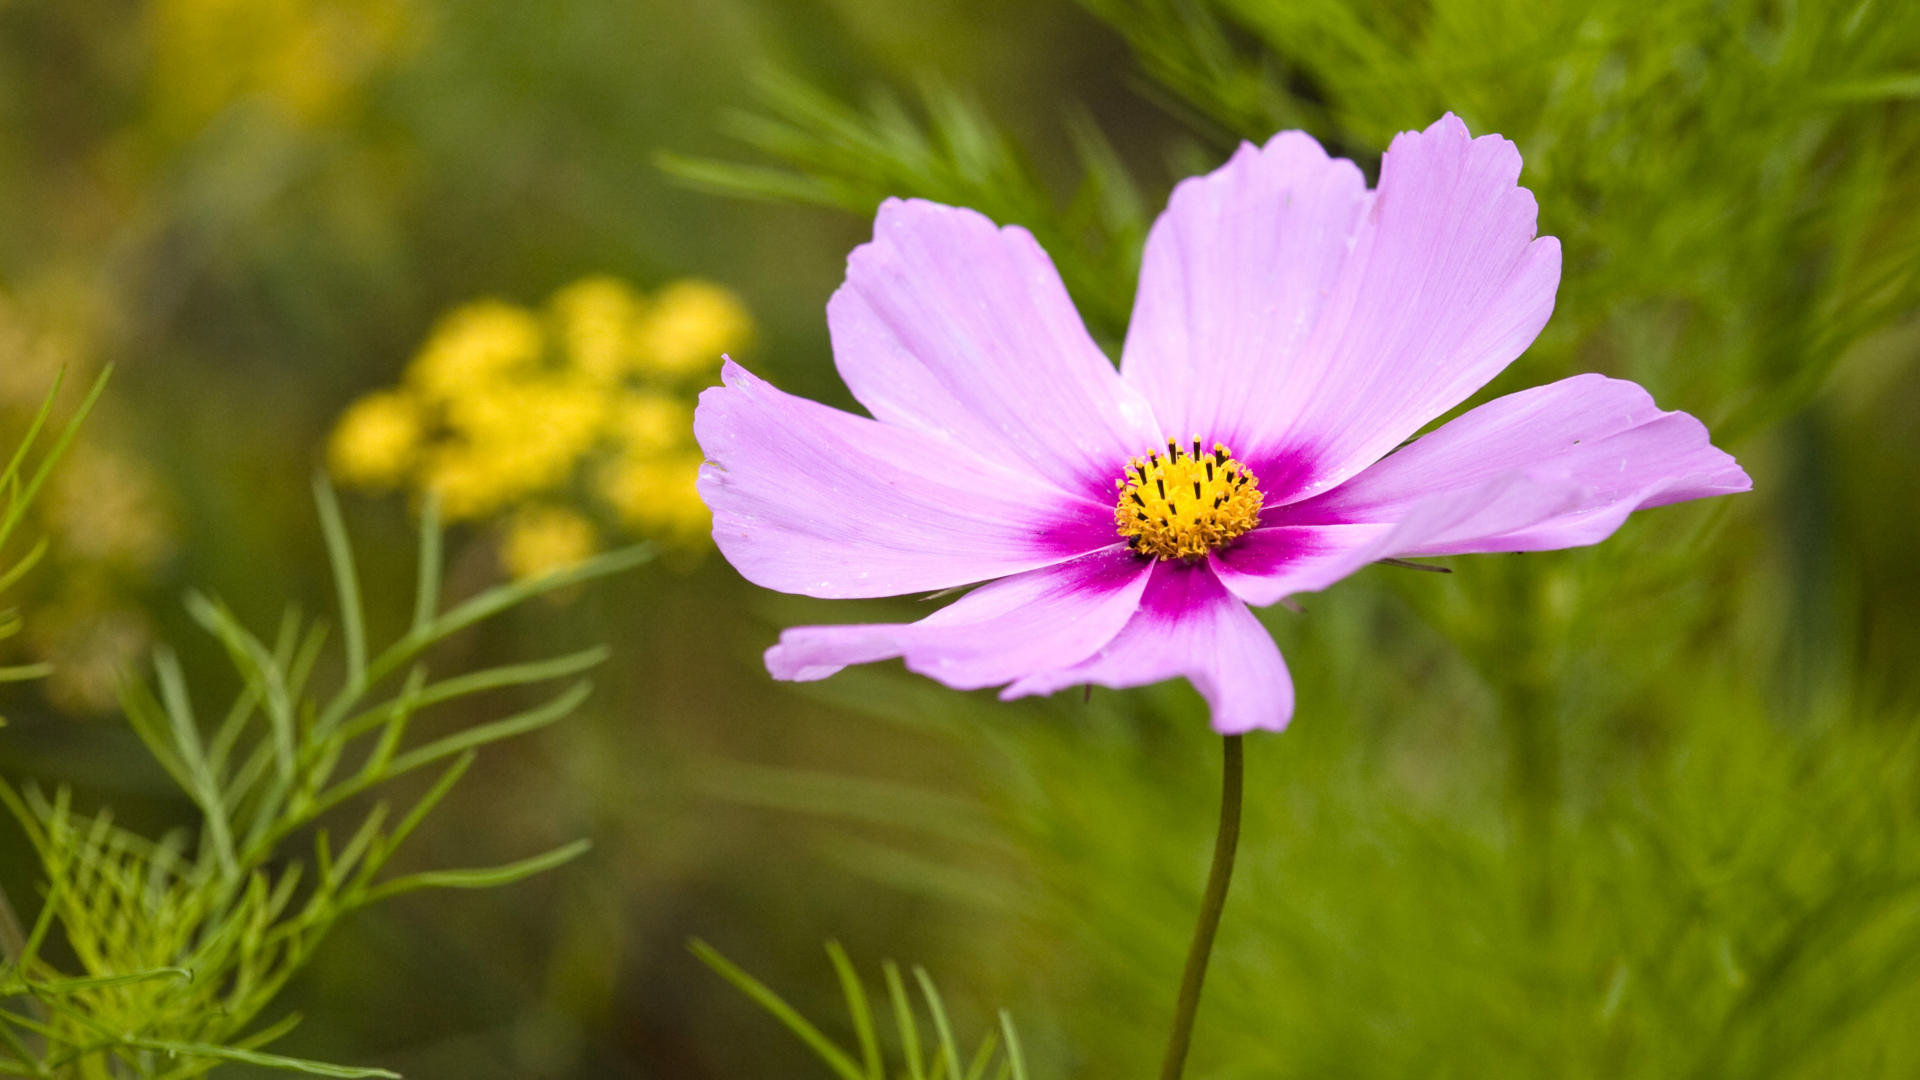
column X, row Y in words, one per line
column 35, row 354
column 655, row 495
column 95, row 641
column 308, row 58
column 649, row 422
column 464, row 480
column 689, row 325
column 475, row 345
column 507, row 413
column 531, row 432
column 542, row 539
column 596, row 317
column 106, row 508
column 377, row 440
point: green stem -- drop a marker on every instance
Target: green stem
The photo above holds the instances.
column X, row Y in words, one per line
column 13, row 941
column 1225, row 843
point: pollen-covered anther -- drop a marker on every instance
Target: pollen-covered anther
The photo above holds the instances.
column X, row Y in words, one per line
column 1183, row 502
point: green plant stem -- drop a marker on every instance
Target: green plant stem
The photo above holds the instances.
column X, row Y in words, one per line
column 13, row 940
column 1225, row 842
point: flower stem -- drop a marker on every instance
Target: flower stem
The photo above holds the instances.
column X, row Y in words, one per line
column 1225, row 842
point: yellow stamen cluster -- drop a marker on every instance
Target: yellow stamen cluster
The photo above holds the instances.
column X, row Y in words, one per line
column 1181, row 505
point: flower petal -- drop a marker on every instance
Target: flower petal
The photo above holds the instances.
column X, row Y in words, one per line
column 1596, row 448
column 1189, row 625
column 812, row 500
column 962, row 330
column 999, row 632
column 1556, row 466
column 1436, row 286
column 1270, row 564
column 1232, row 283
column 1445, row 287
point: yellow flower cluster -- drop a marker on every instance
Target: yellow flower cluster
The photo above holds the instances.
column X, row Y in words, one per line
column 307, row 59
column 549, row 421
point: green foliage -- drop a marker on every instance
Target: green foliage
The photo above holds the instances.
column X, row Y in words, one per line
column 852, row 159
column 21, row 487
column 183, row 942
column 941, row 1059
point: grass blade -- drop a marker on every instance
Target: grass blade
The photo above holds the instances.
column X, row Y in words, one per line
column 474, row 737
column 860, row 1009
column 1015, row 1057
column 983, row 1057
column 254, row 1057
column 776, row 1006
column 100, row 982
column 949, row 1050
column 186, row 740
column 502, row 597
column 426, row 597
column 346, row 580
column 903, row 1018
column 484, row 878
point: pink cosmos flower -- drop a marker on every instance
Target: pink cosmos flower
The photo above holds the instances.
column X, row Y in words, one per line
column 1292, row 328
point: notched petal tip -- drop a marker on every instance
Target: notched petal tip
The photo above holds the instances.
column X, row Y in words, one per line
column 1449, row 124
column 733, row 376
column 956, row 327
column 897, row 216
column 1554, row 466
column 1293, row 140
column 1447, row 141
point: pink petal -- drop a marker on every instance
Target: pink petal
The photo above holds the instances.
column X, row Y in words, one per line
column 809, row 499
column 1288, row 559
column 1232, row 283
column 1270, row 564
column 1557, row 466
column 1189, row 625
column 1389, row 312
column 962, row 330
column 999, row 632
column 1595, row 448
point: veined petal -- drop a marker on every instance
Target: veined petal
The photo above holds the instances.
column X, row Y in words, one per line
column 1439, row 285
column 1189, row 625
column 999, row 632
column 1270, row 564
column 809, row 499
column 1556, row 466
column 962, row 330
column 1286, row 559
column 1594, row 450
column 1232, row 283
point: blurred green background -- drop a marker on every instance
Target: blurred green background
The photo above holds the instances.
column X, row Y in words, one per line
column 1648, row 809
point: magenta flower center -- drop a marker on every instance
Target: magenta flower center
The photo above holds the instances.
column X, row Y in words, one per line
column 1181, row 505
